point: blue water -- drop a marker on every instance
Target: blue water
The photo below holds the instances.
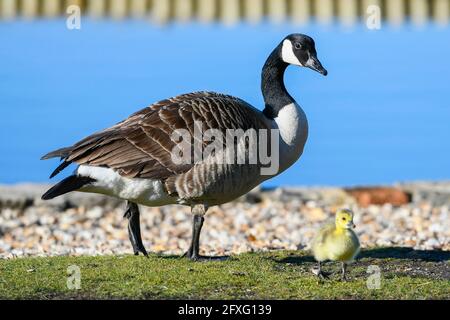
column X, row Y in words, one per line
column 382, row 115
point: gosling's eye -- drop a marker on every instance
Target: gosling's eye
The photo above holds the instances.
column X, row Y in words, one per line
column 344, row 219
column 297, row 45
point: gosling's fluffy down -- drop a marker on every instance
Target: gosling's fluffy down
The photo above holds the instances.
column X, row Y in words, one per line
column 336, row 241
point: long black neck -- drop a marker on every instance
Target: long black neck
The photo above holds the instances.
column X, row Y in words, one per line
column 272, row 85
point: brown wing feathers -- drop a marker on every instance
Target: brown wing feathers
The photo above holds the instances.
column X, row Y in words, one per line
column 141, row 145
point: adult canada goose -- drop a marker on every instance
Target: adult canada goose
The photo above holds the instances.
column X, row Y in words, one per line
column 132, row 160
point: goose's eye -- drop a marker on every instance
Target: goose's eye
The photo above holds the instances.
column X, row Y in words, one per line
column 297, row 45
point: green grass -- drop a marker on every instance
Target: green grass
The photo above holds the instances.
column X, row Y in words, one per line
column 406, row 274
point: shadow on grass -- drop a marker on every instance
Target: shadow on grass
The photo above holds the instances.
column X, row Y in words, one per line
column 295, row 259
column 383, row 253
column 405, row 253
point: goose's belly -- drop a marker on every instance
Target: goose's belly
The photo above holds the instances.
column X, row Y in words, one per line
column 208, row 184
column 217, row 184
column 342, row 254
column 148, row 192
column 343, row 248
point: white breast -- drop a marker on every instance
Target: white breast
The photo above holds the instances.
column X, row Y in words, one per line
column 293, row 128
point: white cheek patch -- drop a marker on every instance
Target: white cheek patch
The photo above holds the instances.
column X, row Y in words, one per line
column 287, row 53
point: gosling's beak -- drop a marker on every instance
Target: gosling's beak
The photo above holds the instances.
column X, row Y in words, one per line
column 314, row 64
column 350, row 225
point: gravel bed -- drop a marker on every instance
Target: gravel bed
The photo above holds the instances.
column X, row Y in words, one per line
column 277, row 219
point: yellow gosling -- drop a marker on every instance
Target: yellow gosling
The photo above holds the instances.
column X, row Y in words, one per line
column 336, row 242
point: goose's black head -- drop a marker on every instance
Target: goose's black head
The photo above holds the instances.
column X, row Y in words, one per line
column 300, row 50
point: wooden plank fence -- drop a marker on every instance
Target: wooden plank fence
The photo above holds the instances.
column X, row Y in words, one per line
column 232, row 11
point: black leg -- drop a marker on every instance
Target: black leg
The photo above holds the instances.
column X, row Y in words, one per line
column 344, row 270
column 194, row 250
column 134, row 228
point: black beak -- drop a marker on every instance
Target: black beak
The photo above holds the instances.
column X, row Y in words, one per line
column 314, row 64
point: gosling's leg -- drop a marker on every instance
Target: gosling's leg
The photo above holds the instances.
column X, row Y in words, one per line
column 198, row 212
column 344, row 270
column 134, row 228
column 322, row 275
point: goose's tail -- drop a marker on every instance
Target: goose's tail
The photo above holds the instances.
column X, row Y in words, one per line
column 62, row 153
column 71, row 183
